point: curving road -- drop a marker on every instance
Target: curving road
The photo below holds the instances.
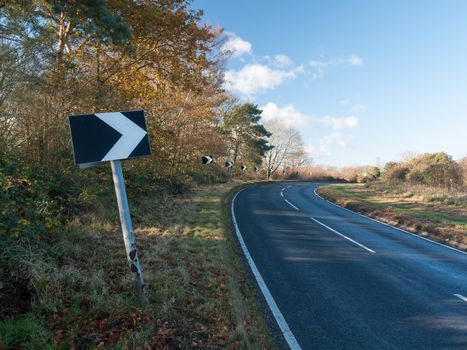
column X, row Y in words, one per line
column 337, row 280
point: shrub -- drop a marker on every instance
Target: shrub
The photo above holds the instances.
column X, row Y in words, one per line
column 396, row 174
column 429, row 169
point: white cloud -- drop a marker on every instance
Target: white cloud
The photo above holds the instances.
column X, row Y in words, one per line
column 336, row 138
column 322, row 150
column 293, row 118
column 254, row 78
column 282, row 61
column 320, row 67
column 236, row 45
column 287, row 115
column 359, row 108
column 317, row 152
column 354, row 60
column 339, row 123
column 324, row 147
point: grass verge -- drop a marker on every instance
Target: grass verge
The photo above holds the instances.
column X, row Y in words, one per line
column 73, row 291
column 438, row 214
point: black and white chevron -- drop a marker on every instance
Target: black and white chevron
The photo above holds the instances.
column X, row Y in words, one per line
column 103, row 137
column 206, row 160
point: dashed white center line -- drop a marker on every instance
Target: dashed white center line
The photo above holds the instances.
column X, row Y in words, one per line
column 343, row 236
column 293, row 206
column 461, row 297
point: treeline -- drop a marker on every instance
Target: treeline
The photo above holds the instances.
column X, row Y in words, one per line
column 71, row 57
column 61, row 58
column 427, row 169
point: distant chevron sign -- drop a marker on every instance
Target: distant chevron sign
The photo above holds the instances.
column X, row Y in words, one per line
column 102, row 137
column 206, row 160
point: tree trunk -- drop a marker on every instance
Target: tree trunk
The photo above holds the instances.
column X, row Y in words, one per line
column 237, row 147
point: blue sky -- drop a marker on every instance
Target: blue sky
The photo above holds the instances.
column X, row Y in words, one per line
column 364, row 81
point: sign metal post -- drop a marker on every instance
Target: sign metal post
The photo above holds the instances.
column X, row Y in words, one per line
column 209, row 173
column 127, row 230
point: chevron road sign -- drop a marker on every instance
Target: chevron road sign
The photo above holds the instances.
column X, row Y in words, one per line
column 114, row 137
column 229, row 165
column 206, row 160
column 102, row 137
column 256, row 169
column 243, row 167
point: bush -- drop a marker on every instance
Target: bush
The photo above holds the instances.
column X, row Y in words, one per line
column 429, row 169
column 395, row 174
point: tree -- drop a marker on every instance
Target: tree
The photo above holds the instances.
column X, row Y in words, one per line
column 463, row 166
column 245, row 137
column 71, row 23
column 287, row 147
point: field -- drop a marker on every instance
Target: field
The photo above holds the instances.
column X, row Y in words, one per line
column 74, row 290
column 437, row 213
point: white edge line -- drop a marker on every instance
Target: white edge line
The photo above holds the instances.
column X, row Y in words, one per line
column 282, row 195
column 461, row 297
column 344, row 236
column 292, row 205
column 394, row 227
column 282, row 323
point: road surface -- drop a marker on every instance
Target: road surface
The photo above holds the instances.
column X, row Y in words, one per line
column 337, row 280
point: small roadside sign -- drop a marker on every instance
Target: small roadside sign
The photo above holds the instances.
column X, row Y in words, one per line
column 113, row 137
column 229, row 165
column 207, row 160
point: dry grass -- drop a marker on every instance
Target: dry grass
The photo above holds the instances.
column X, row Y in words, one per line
column 81, row 295
column 437, row 213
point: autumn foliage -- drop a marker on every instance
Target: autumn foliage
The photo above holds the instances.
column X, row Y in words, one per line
column 70, row 57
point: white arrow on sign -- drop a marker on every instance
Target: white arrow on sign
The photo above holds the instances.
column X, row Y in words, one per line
column 132, row 134
column 207, row 160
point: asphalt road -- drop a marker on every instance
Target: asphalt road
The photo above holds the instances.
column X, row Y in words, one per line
column 342, row 281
